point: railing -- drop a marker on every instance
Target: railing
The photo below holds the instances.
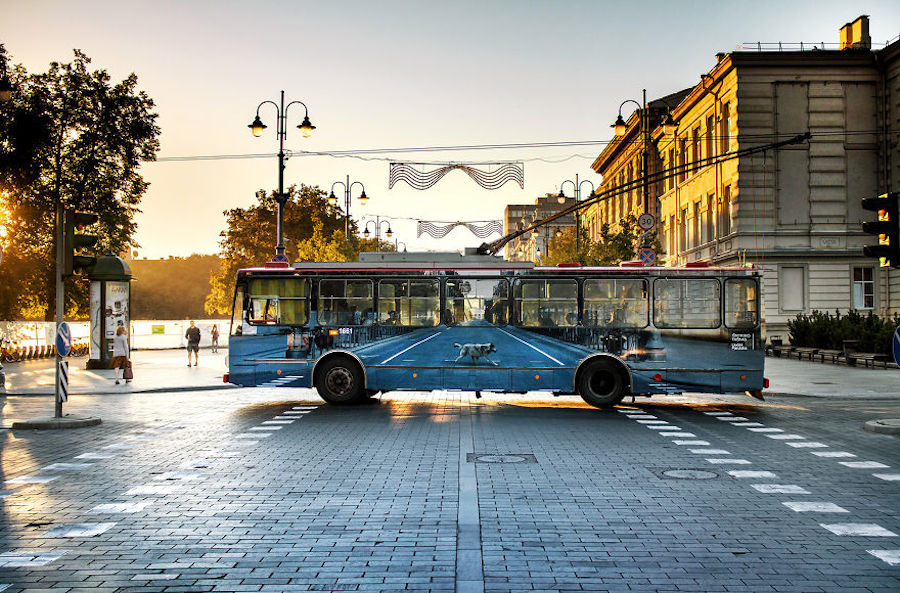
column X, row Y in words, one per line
column 801, row 45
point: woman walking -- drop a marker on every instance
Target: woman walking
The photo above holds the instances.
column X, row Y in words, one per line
column 214, row 334
column 120, row 354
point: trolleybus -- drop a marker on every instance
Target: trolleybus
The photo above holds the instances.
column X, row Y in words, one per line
column 429, row 321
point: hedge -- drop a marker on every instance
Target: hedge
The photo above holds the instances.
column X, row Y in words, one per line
column 824, row 330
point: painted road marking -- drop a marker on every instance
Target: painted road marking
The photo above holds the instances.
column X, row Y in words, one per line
column 677, row 434
column 702, row 443
column 536, row 349
column 266, row 428
column 31, row 480
column 95, row 456
column 888, row 477
column 408, row 348
column 815, row 507
column 119, row 446
column 786, row 437
column 119, row 507
column 748, row 424
column 66, row 466
column 652, row 422
column 765, row 430
column 252, row 435
column 864, row 464
column 779, row 489
column 862, row 529
column 808, row 445
column 665, row 426
column 732, row 418
column 186, row 476
column 710, row 452
column 29, row 558
column 728, row 460
column 273, row 422
column 243, row 443
column 892, row 557
column 78, row 530
column 718, row 413
column 746, row 473
column 152, row 490
column 833, row 454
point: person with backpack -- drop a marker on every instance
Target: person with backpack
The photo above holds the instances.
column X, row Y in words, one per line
column 193, row 342
column 121, row 351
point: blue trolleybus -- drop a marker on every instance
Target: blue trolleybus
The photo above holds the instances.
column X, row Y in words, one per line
column 429, row 321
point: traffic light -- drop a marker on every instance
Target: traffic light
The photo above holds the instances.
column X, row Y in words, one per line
column 72, row 262
column 886, row 226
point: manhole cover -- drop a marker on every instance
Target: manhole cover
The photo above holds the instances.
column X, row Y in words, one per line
column 501, row 458
column 689, row 474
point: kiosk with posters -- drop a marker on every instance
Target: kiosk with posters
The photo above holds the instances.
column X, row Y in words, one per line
column 110, row 307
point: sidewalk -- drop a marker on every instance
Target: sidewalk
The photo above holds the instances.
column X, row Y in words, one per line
column 154, row 370
column 167, row 370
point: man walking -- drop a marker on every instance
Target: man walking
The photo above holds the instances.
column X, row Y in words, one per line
column 193, row 342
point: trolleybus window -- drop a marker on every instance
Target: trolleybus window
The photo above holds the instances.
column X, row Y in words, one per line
column 409, row 302
column 278, row 301
column 346, row 302
column 741, row 303
column 474, row 301
column 237, row 326
column 686, row 303
column 615, row 301
column 546, row 303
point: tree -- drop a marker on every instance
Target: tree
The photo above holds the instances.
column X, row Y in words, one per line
column 71, row 136
column 313, row 231
column 173, row 288
column 612, row 247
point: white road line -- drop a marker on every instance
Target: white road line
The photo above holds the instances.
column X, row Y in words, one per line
column 779, row 489
column 892, row 557
column 748, row 473
column 677, row 434
column 710, row 452
column 833, row 454
column 765, row 430
column 808, row 445
column 78, row 530
column 786, row 437
column 748, row 424
column 888, row 477
column 29, row 558
column 864, row 464
column 151, row 490
column 408, row 348
column 532, row 347
column 862, row 529
column 119, row 508
column 665, row 426
column 699, row 443
column 721, row 460
column 95, row 456
column 31, row 480
column 73, row 466
column 732, row 418
column 815, row 507
column 718, row 413
column 652, row 422
column 266, row 428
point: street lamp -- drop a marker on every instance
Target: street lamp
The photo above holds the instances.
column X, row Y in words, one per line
column 378, row 222
column 257, row 127
column 562, row 197
column 363, row 198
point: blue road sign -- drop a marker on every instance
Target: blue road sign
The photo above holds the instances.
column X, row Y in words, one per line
column 63, row 339
column 647, row 256
column 897, row 346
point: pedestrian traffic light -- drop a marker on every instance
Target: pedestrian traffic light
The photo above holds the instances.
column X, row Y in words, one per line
column 72, row 262
column 886, row 226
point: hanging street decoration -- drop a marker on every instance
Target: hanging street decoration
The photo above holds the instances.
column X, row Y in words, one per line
column 416, row 179
column 439, row 230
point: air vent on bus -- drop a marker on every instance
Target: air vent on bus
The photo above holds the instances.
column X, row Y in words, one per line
column 568, row 264
column 697, row 264
column 631, row 264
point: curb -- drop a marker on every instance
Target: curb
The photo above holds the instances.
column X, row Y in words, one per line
column 53, row 423
column 884, row 426
column 133, row 391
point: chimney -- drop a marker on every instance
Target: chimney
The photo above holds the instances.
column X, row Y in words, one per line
column 855, row 35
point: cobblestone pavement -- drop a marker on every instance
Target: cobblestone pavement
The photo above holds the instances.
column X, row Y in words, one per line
column 267, row 490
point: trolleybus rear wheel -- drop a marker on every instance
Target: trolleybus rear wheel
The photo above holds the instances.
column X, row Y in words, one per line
column 340, row 381
column 601, row 383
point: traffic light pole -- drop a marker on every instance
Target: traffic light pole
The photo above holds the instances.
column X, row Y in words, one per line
column 60, row 293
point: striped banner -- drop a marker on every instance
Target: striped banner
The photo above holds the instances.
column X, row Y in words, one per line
column 63, row 380
column 439, row 230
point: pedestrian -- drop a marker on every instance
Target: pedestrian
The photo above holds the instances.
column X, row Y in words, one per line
column 214, row 334
column 193, row 342
column 120, row 354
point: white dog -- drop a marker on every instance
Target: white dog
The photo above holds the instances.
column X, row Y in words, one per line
column 475, row 351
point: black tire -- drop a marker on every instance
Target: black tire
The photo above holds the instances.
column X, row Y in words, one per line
column 601, row 383
column 339, row 381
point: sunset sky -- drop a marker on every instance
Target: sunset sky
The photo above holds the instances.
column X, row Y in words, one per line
column 395, row 74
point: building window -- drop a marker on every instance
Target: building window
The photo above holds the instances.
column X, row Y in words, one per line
column 682, row 160
column 682, row 231
column 792, row 288
column 710, row 128
column 710, row 232
column 695, row 149
column 726, row 125
column 672, row 234
column 695, row 225
column 863, row 288
column 725, row 212
column 670, row 179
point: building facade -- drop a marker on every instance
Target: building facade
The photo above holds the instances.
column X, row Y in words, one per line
column 794, row 211
column 530, row 246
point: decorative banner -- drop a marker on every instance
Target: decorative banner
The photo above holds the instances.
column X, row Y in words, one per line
column 487, row 179
column 439, row 230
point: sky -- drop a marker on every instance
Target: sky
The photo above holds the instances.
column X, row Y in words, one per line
column 394, row 74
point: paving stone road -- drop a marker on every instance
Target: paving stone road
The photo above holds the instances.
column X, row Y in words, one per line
column 269, row 490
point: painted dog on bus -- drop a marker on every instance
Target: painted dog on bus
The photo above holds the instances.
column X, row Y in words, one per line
column 475, row 351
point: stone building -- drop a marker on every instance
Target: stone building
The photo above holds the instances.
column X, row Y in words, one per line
column 530, row 246
column 795, row 212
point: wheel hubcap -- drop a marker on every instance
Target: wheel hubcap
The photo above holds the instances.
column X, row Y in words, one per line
column 603, row 382
column 339, row 381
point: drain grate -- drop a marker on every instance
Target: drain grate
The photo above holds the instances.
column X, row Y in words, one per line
column 683, row 474
column 500, row 458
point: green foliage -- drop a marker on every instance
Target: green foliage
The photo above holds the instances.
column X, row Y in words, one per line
column 612, row 248
column 313, row 231
column 827, row 331
column 69, row 135
column 174, row 288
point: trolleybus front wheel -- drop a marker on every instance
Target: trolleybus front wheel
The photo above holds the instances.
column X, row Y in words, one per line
column 601, row 383
column 340, row 381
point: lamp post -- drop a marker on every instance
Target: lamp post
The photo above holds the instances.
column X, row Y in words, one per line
column 363, row 198
column 562, row 198
column 257, row 127
column 620, row 127
column 378, row 222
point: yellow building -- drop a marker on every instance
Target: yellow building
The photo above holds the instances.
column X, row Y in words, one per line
column 795, row 211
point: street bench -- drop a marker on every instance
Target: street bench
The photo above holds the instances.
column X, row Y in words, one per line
column 852, row 355
column 801, row 352
column 832, row 355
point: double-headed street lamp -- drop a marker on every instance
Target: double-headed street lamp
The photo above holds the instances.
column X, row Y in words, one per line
column 620, row 127
column 306, row 129
column 363, row 198
column 378, row 222
column 562, row 198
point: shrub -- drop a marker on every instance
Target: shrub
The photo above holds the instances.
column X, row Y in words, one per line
column 824, row 330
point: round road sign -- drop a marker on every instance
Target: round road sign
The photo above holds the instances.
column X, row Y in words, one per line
column 646, row 221
column 647, row 256
column 63, row 339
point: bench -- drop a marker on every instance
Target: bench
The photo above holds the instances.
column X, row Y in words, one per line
column 831, row 355
column 801, row 352
column 852, row 355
